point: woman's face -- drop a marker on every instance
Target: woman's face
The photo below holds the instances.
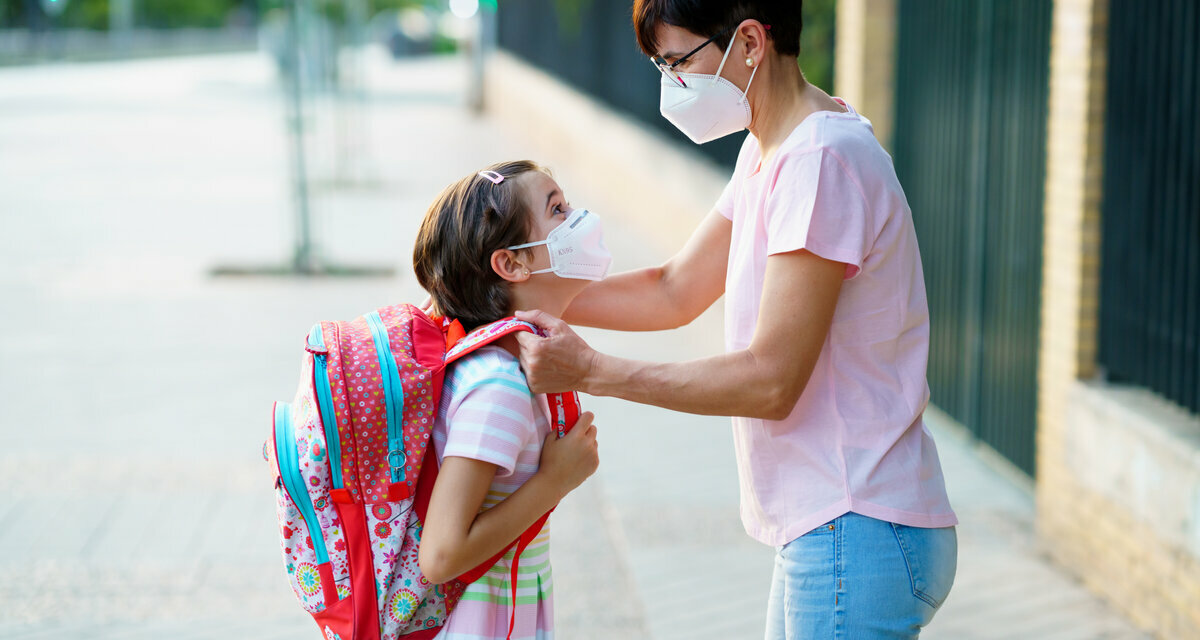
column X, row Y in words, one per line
column 675, row 42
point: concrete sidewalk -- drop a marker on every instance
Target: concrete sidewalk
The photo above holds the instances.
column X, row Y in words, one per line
column 134, row 389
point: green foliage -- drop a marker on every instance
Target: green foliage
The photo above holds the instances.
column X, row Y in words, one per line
column 570, row 15
column 93, row 14
column 335, row 10
column 817, row 42
column 182, row 13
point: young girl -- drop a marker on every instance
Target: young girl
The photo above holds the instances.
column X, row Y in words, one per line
column 479, row 254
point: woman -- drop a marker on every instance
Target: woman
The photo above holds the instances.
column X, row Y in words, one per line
column 827, row 328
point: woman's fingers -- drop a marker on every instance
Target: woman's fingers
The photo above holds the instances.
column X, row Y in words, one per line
column 544, row 321
column 557, row 362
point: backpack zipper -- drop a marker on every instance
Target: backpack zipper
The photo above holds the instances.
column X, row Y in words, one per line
column 325, row 404
column 393, row 395
column 293, row 481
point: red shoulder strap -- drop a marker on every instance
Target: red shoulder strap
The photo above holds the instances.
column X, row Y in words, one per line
column 564, row 413
column 460, row 343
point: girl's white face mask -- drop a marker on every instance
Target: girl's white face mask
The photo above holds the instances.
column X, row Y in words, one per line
column 576, row 248
column 709, row 107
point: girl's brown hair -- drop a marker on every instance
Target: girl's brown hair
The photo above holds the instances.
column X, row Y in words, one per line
column 452, row 258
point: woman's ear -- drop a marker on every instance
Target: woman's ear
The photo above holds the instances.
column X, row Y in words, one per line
column 755, row 45
column 508, row 265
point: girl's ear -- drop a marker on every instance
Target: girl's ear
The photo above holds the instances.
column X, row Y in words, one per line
column 507, row 265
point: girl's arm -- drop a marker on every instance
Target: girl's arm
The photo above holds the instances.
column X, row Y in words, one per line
column 663, row 297
column 457, row 537
column 764, row 380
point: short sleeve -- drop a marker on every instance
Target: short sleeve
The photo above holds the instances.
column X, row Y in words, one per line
column 491, row 415
column 724, row 204
column 816, row 204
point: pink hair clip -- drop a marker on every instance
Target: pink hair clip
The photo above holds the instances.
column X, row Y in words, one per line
column 495, row 177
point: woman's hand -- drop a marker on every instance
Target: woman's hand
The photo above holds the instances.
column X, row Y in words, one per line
column 558, row 362
column 566, row 462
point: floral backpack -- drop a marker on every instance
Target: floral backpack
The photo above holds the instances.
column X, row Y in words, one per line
column 353, row 471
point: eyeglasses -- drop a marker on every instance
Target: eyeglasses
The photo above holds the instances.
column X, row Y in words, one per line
column 668, row 68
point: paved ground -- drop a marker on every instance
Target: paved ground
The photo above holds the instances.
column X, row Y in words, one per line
column 135, row 388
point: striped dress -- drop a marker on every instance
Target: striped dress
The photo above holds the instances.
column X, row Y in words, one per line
column 488, row 413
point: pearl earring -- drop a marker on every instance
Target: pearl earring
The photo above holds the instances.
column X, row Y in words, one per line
column 749, row 62
column 527, row 272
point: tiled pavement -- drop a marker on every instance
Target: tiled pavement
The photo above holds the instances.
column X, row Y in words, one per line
column 134, row 388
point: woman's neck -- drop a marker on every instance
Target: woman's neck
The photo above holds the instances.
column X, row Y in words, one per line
column 783, row 102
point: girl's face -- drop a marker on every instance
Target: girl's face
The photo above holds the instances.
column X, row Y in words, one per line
column 548, row 208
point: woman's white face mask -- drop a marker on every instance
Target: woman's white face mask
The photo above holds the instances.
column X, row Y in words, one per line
column 709, row 107
column 576, row 248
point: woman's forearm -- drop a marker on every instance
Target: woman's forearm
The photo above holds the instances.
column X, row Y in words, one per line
column 632, row 301
column 764, row 380
column 732, row 384
column 663, row 297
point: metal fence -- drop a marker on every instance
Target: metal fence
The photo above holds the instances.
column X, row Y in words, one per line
column 1150, row 269
column 594, row 50
column 971, row 98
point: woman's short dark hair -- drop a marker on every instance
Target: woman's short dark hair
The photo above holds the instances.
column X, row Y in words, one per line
column 707, row 18
column 452, row 257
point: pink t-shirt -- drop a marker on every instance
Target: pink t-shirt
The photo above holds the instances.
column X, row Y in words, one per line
column 856, row 440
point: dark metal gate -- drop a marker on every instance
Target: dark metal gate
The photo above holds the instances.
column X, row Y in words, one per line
column 970, row 148
column 1150, row 269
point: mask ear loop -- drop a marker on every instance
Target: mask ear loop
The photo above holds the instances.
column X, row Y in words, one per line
column 726, row 57
column 534, row 244
column 722, row 66
column 747, row 91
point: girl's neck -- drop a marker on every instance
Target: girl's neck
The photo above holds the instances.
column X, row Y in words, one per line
column 524, row 300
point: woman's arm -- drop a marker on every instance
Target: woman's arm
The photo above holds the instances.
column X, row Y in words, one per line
column 800, row 291
column 663, row 297
column 457, row 537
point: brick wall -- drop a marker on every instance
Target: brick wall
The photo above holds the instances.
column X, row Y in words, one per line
column 865, row 62
column 1118, row 479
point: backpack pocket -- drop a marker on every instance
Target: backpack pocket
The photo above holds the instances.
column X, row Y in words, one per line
column 302, row 528
column 408, row 602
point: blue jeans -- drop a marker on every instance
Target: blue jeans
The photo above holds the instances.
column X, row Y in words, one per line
column 860, row 578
